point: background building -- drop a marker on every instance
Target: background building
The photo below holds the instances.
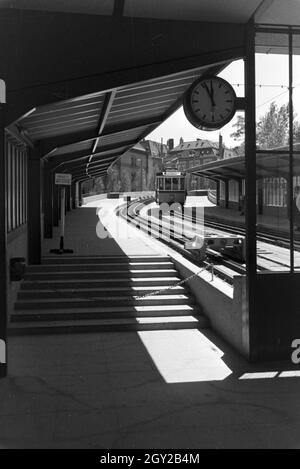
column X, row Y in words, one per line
column 134, row 171
column 198, row 152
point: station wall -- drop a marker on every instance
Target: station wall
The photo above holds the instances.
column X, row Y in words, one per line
column 16, row 200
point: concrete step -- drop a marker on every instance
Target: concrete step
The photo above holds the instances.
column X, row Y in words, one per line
column 99, row 292
column 112, row 309
column 106, row 313
column 101, row 274
column 98, row 260
column 106, row 325
column 88, row 283
column 99, row 267
column 105, row 301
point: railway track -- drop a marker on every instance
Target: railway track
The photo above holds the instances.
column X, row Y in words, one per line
column 223, row 266
column 168, row 234
column 269, row 237
column 265, row 237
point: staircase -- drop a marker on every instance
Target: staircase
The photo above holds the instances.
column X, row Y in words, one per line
column 91, row 294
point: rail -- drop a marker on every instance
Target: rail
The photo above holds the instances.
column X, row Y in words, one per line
column 226, row 270
column 212, row 196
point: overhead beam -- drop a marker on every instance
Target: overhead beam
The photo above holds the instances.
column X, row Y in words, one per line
column 98, row 173
column 50, row 144
column 106, row 107
column 76, row 162
column 84, row 169
column 22, row 137
column 105, row 151
column 261, row 9
column 82, row 166
column 85, row 176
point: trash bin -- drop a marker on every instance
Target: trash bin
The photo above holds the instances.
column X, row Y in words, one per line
column 17, row 267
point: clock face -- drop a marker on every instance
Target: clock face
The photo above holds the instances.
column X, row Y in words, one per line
column 210, row 103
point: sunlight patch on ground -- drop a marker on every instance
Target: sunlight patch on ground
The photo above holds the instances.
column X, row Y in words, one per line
column 184, row 356
column 259, row 375
column 271, row 374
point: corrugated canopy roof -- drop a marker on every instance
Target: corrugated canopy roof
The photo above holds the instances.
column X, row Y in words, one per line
column 268, row 165
column 114, row 120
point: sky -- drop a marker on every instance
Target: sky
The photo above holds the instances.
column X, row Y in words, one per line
column 271, row 85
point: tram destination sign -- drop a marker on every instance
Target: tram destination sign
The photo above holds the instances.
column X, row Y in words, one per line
column 63, row 179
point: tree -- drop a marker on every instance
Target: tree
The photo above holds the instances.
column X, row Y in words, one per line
column 239, row 125
column 239, row 134
column 296, row 132
column 272, row 128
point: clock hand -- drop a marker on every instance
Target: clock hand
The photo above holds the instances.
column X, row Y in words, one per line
column 210, row 94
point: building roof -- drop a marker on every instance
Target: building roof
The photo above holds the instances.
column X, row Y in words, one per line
column 155, row 148
column 139, row 147
column 195, row 145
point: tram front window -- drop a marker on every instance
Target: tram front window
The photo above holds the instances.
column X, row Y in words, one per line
column 175, row 182
column 161, row 184
column 168, row 184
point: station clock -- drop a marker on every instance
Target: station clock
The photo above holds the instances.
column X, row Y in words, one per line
column 210, row 103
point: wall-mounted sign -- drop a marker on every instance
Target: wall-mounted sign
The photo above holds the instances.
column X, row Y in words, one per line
column 210, row 103
column 63, row 179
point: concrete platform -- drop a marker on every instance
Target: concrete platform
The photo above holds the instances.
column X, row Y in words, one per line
column 175, row 389
column 81, row 235
column 157, row 389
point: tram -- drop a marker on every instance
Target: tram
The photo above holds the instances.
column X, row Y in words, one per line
column 170, row 187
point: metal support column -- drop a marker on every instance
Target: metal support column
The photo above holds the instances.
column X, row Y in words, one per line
column 55, row 203
column 80, row 193
column 34, row 205
column 250, row 194
column 3, row 251
column 241, row 204
column 48, row 201
column 68, row 198
column 259, row 197
column 73, row 192
column 218, row 192
column 291, row 152
column 226, row 194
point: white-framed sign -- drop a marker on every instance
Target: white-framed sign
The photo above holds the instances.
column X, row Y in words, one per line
column 63, row 179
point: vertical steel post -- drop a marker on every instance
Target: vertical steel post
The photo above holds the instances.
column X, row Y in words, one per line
column 55, row 203
column 291, row 150
column 48, row 201
column 226, row 194
column 68, row 198
column 34, row 205
column 248, row 311
column 218, row 192
column 3, row 244
column 80, row 193
column 73, row 195
column 62, row 216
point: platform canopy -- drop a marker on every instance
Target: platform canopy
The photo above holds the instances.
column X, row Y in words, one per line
column 86, row 80
column 268, row 165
